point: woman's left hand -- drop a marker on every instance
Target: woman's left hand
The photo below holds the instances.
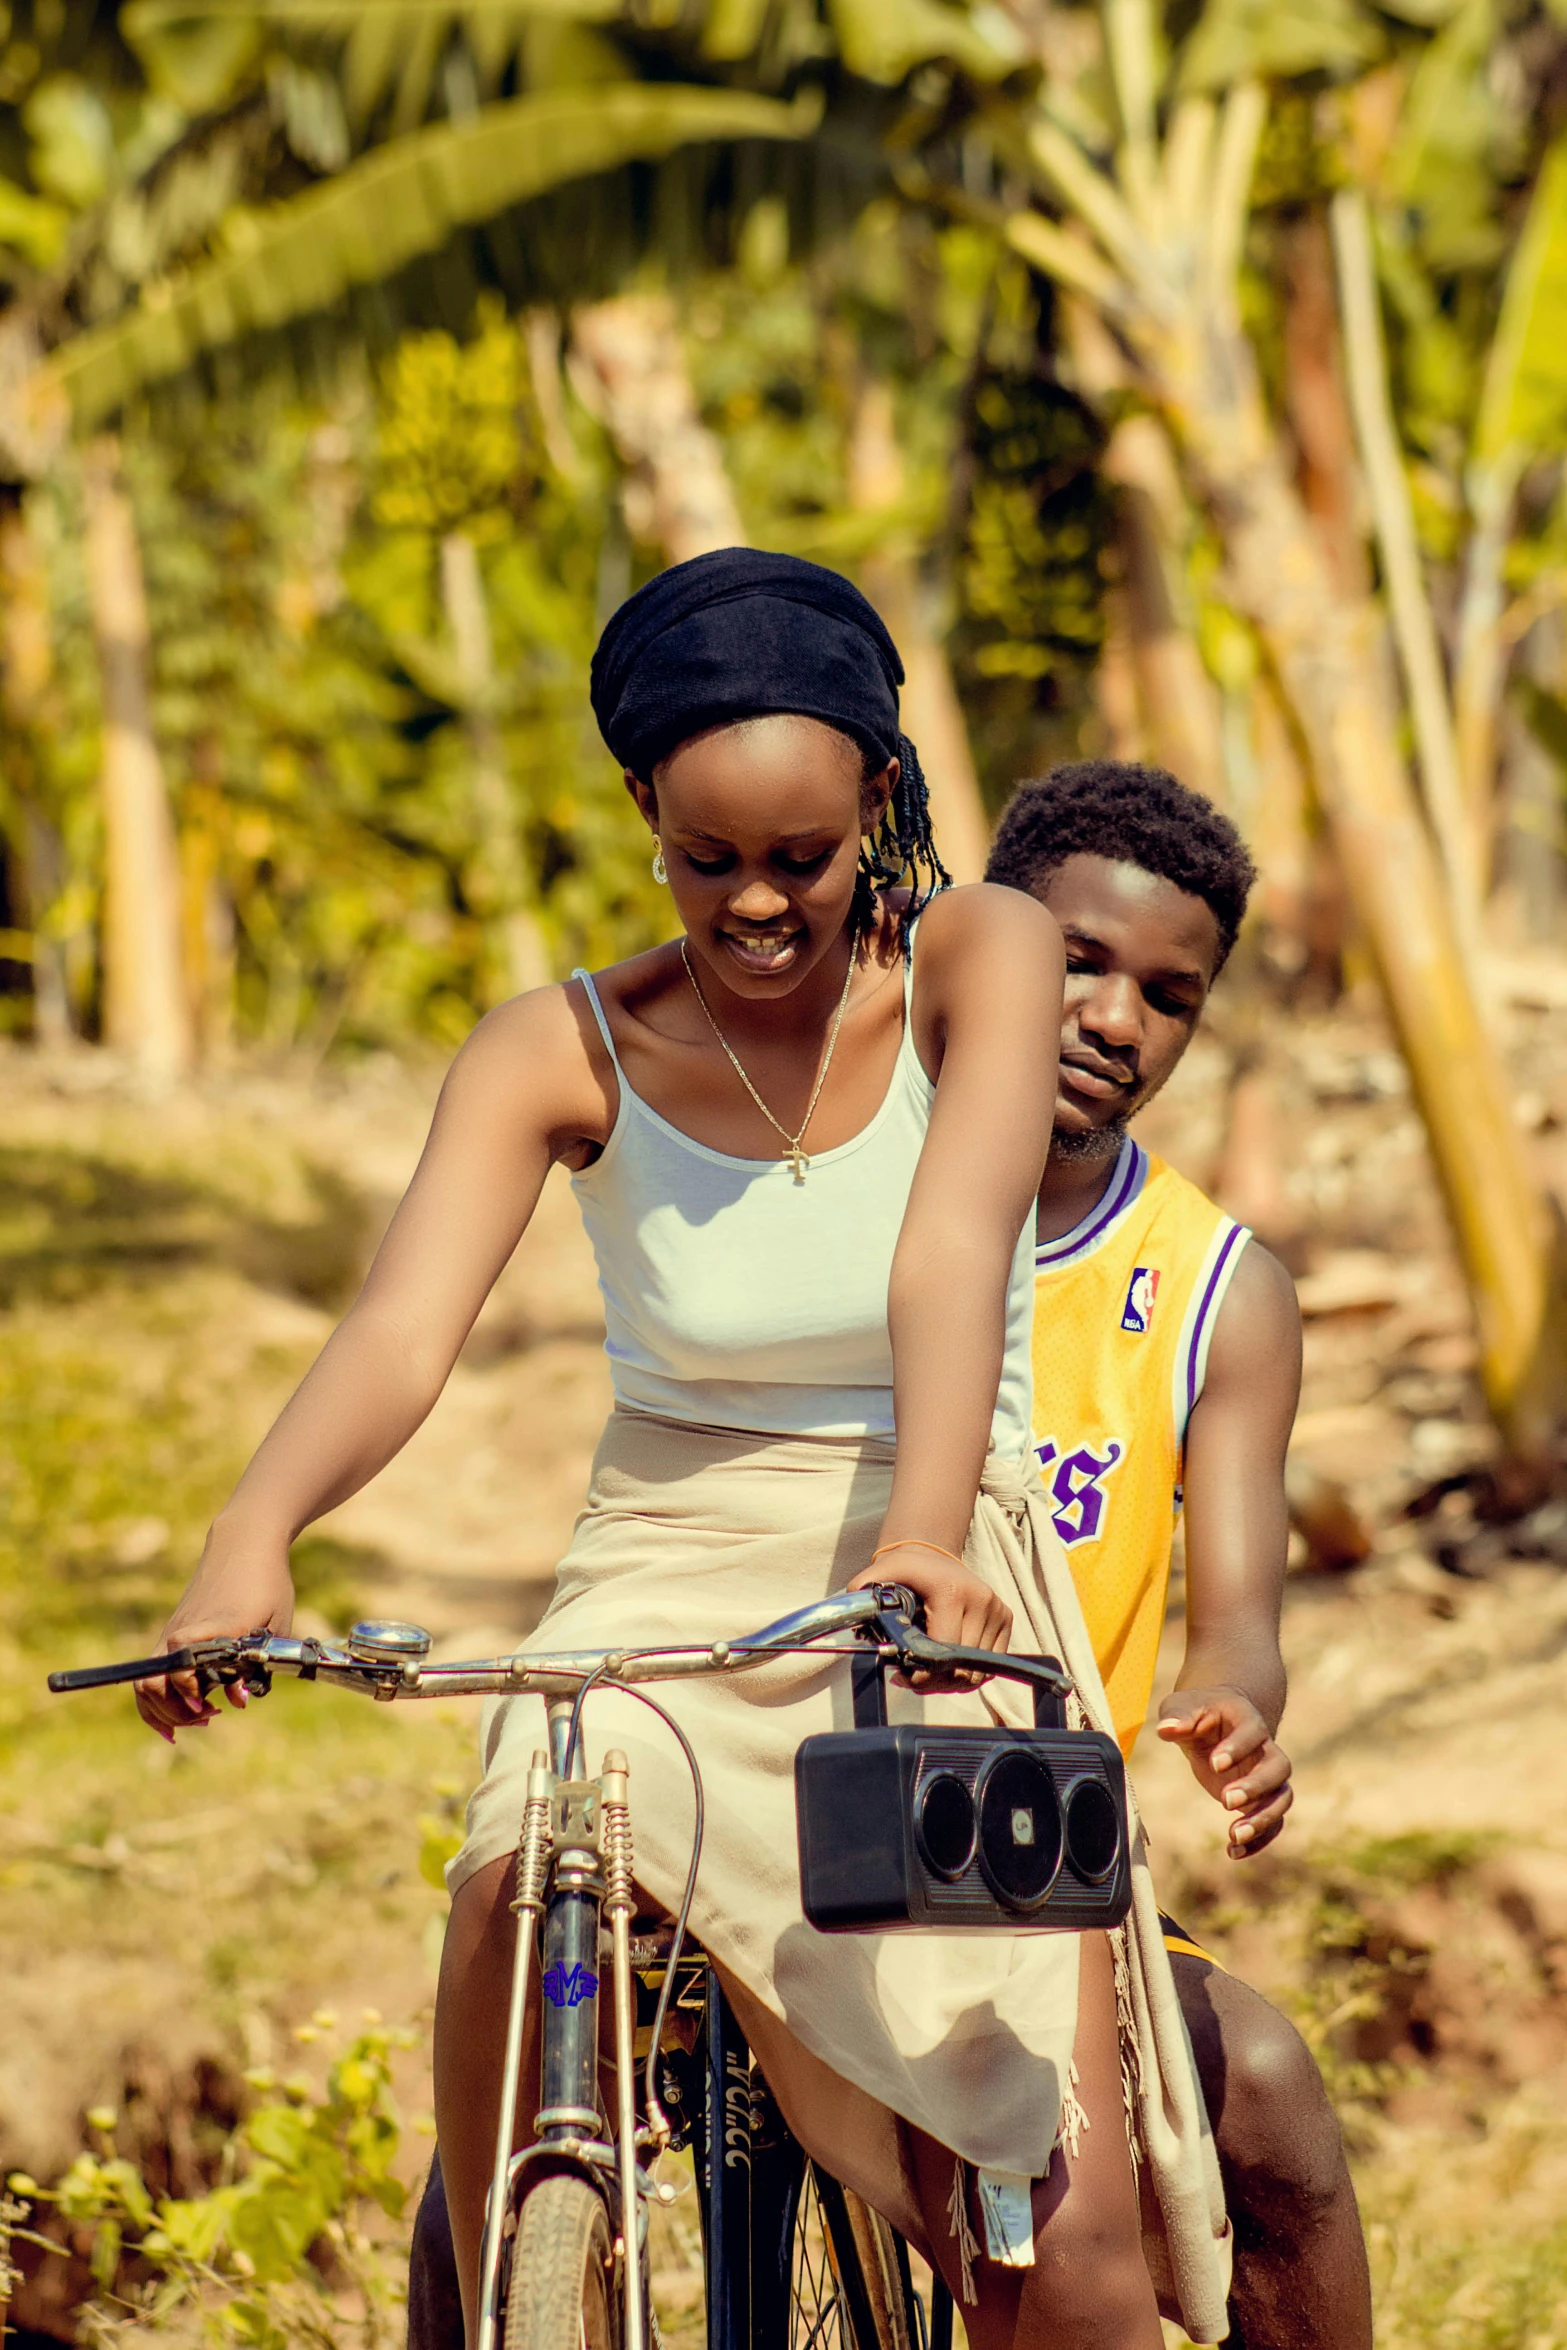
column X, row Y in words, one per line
column 959, row 1606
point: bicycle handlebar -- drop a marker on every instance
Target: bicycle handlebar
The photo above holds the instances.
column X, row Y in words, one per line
column 387, row 1661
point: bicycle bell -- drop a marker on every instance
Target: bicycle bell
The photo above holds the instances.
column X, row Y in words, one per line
column 377, row 1643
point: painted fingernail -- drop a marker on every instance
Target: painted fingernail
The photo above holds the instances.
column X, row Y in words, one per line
column 1243, row 1832
column 1223, row 1759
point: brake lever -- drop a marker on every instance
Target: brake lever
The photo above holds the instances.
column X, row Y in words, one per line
column 215, row 1663
column 915, row 1650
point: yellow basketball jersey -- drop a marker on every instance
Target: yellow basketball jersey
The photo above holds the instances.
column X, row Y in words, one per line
column 1124, row 1309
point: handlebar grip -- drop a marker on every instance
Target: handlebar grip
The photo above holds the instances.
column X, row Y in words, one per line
column 136, row 1668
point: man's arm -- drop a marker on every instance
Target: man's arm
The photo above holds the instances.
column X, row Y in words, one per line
column 1230, row 1694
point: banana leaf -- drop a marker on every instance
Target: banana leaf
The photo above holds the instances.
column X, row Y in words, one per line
column 199, row 56
column 883, row 40
column 1523, row 402
column 400, row 202
column 1441, row 165
column 1264, row 40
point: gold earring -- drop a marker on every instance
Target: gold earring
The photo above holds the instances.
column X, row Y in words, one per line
column 660, row 869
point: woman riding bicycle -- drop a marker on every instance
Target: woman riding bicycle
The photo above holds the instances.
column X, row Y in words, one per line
column 805, row 1139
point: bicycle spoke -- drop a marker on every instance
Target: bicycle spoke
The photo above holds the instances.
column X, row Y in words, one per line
column 817, row 2314
column 815, row 2334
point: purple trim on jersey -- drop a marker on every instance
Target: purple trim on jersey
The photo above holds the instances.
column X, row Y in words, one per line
column 1236, row 1233
column 1093, row 1228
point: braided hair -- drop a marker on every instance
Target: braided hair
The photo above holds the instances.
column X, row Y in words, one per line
column 903, row 846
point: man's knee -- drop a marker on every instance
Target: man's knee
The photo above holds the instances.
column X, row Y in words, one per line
column 1272, row 2119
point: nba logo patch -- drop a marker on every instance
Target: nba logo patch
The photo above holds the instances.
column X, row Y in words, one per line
column 1141, row 1290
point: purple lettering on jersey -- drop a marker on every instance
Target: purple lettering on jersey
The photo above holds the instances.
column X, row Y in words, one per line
column 1077, row 1488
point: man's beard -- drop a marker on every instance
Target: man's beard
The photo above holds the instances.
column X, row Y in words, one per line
column 1094, row 1145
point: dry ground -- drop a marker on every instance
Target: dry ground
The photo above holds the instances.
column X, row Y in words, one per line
column 167, row 1268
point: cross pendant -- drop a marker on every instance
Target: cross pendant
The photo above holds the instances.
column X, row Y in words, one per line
column 799, row 1160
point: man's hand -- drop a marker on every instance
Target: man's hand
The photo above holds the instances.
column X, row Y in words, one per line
column 958, row 1606
column 1235, row 1758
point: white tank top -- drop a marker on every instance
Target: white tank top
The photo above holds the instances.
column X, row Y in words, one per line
column 735, row 1297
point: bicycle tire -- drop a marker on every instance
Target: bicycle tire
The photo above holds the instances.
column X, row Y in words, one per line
column 848, row 2287
column 562, row 2293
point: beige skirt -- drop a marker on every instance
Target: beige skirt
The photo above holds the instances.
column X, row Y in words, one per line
column 698, row 1534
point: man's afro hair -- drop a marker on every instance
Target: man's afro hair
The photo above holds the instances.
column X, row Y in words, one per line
column 1134, row 815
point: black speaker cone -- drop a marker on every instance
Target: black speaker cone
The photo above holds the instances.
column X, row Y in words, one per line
column 1019, row 1828
column 944, row 1824
column 1093, row 1830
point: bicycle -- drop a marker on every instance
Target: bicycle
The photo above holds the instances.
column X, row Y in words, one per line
column 792, row 2259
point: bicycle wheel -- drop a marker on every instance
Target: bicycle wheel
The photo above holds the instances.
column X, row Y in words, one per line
column 849, row 2283
column 562, row 2294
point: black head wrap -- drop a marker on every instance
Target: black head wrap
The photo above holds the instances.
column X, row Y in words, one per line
column 739, row 634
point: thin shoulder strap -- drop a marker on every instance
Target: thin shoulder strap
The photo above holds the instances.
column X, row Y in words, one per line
column 908, row 1050
column 597, row 1009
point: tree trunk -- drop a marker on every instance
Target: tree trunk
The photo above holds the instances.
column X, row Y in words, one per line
column 207, row 909
column 1315, row 403
column 1179, row 706
column 1300, row 891
column 498, row 885
column 1325, row 647
column 1414, row 624
column 1532, row 844
column 146, row 1014
column 1480, row 676
column 26, row 674
column 1115, row 684
column 932, row 714
column 630, row 371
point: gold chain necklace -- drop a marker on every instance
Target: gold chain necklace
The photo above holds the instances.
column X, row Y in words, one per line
column 792, row 1141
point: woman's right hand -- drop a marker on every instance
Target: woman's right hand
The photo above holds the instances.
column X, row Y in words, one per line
column 243, row 1591
column 959, row 1606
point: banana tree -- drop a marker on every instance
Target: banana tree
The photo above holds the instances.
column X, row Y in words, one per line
column 1149, row 236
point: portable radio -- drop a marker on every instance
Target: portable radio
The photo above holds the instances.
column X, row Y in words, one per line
column 955, row 1827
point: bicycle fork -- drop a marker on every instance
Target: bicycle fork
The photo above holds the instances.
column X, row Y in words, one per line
column 574, row 1860
column 533, row 1852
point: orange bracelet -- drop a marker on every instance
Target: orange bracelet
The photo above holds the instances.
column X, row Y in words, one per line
column 915, row 1542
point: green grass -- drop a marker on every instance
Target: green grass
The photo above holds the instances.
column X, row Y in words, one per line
column 136, row 1372
column 1479, row 2295
column 73, row 1221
